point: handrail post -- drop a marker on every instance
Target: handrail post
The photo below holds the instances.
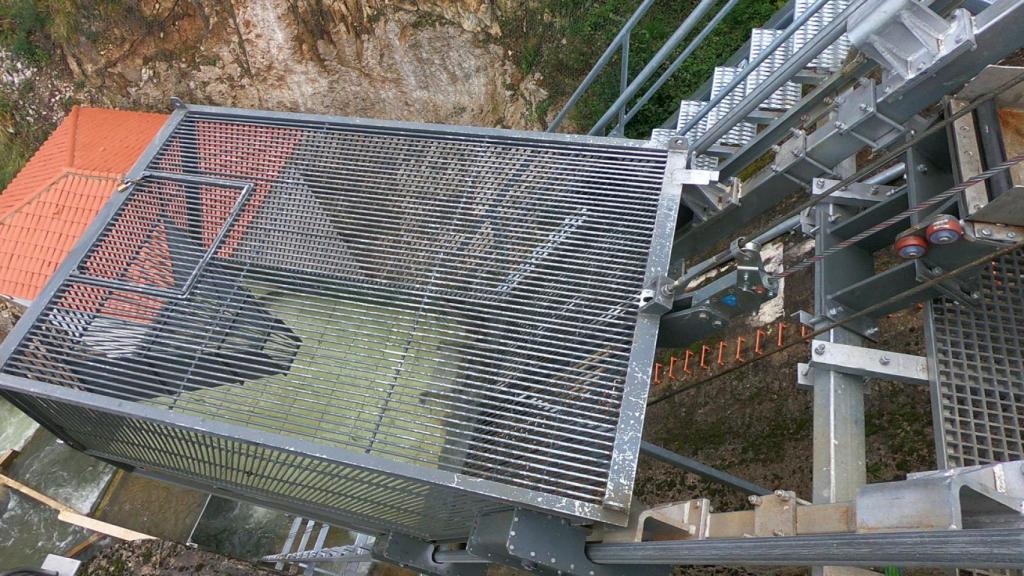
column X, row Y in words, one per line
column 601, row 63
column 663, row 53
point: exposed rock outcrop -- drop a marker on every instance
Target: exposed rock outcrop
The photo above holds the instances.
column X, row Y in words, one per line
column 432, row 60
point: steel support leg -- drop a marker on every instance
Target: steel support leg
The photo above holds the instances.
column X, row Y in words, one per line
column 839, row 446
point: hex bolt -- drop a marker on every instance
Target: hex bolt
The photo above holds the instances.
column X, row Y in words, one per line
column 863, row 107
column 783, row 495
column 840, row 126
column 922, row 168
column 1011, row 234
column 821, row 181
column 754, row 500
column 986, row 232
column 717, row 323
column 819, row 349
column 884, row 360
column 937, row 270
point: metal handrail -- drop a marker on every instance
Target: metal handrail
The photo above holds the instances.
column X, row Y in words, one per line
column 828, row 35
column 690, row 48
column 742, row 76
column 652, row 66
column 621, row 39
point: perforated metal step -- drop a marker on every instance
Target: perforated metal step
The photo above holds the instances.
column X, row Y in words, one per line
column 831, row 58
column 789, row 94
column 742, row 132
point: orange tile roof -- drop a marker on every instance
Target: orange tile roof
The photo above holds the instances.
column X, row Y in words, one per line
column 47, row 206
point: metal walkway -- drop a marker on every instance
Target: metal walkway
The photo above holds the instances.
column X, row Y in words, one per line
column 978, row 393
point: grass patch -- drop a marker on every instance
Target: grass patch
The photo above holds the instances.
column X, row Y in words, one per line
column 562, row 39
column 19, row 137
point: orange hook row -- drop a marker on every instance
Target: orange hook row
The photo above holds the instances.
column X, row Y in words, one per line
column 726, row 354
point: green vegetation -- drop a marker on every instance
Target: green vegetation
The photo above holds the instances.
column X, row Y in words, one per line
column 19, row 137
column 561, row 39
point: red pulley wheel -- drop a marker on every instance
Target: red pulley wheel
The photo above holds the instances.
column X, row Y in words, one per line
column 944, row 230
column 911, row 247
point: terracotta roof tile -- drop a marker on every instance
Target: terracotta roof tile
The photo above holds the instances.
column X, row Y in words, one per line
column 47, row 206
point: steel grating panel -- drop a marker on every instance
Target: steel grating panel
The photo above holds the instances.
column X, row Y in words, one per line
column 789, row 93
column 742, row 132
column 978, row 367
column 457, row 304
column 349, row 496
column 833, row 57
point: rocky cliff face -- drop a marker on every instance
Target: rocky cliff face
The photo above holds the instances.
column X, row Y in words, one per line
column 433, row 61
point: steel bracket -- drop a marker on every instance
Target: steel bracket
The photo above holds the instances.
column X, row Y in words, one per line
column 794, row 152
column 987, row 496
column 775, row 514
column 542, row 544
column 858, row 194
column 409, row 552
column 857, row 115
column 908, row 39
column 868, row 362
column 688, row 520
column 705, row 200
column 866, row 327
column 656, row 297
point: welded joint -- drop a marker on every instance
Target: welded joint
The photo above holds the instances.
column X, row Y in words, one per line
column 866, row 362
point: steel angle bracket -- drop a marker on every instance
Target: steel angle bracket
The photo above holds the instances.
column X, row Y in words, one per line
column 984, row 496
column 542, row 544
column 409, row 552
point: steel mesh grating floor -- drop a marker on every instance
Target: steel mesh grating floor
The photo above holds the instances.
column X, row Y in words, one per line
column 455, row 302
column 979, row 361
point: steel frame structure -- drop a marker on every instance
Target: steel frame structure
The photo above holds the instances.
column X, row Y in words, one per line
column 924, row 113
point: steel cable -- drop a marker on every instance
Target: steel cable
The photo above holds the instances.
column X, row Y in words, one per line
column 981, row 177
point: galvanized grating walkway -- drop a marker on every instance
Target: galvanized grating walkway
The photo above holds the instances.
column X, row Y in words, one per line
column 978, row 395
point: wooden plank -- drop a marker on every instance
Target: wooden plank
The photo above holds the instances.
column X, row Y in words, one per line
column 34, row 494
column 101, row 527
column 7, row 457
column 69, row 515
column 84, row 545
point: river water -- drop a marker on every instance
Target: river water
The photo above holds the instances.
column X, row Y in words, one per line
column 29, row 530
